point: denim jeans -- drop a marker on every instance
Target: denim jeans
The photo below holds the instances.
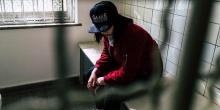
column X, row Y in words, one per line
column 108, row 102
column 114, row 95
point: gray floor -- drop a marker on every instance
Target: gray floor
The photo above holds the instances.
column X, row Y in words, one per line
column 45, row 98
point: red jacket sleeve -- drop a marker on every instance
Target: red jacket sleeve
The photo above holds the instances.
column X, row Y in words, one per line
column 132, row 61
column 105, row 59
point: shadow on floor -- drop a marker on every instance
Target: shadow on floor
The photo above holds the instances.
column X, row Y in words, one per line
column 44, row 97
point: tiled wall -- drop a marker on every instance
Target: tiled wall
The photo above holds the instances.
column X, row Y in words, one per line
column 149, row 13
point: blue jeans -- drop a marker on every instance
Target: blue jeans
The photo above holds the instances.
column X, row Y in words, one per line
column 112, row 100
column 108, row 102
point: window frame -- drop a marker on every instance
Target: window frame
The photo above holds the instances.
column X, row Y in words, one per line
column 74, row 22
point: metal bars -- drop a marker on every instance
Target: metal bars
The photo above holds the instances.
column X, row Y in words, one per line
column 62, row 63
column 188, row 78
column 15, row 12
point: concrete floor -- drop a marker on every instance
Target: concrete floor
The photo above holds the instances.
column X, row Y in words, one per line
column 45, row 98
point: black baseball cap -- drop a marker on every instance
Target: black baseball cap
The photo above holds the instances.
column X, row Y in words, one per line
column 103, row 15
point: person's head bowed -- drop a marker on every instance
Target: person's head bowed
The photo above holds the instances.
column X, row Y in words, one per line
column 103, row 15
column 107, row 21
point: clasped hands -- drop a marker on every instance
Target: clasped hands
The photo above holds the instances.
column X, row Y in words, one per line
column 94, row 82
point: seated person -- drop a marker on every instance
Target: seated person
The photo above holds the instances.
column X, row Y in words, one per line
column 129, row 55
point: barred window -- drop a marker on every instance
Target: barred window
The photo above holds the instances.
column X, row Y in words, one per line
column 15, row 12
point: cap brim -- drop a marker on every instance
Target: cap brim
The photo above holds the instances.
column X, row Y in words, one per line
column 93, row 29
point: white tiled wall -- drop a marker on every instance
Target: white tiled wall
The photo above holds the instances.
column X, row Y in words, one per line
column 157, row 15
column 178, row 23
column 181, row 7
column 208, row 52
column 140, row 13
column 217, row 95
column 204, row 67
column 149, row 4
column 216, row 16
column 218, row 41
column 216, row 55
column 171, row 68
column 149, row 14
column 173, row 55
column 213, row 33
column 161, row 37
column 176, row 39
column 127, row 10
column 141, row 3
column 158, row 4
column 155, row 31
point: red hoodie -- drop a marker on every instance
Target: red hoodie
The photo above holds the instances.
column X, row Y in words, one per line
column 131, row 54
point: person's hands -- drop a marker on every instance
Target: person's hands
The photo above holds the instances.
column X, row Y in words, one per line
column 100, row 81
column 91, row 85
